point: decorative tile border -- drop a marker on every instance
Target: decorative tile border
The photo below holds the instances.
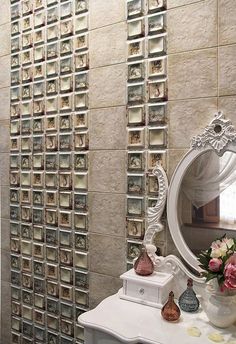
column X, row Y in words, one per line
column 147, row 95
column 49, row 169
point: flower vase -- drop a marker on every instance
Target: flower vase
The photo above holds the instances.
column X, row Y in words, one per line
column 219, row 306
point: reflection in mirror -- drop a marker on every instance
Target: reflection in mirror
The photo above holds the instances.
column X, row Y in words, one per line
column 207, row 200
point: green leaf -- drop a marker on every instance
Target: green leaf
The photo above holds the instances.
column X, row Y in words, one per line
column 210, row 276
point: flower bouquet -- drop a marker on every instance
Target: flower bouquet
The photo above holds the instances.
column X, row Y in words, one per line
column 219, row 262
column 219, row 266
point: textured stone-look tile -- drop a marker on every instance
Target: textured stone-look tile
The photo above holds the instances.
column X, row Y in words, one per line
column 103, row 12
column 192, row 27
column 107, row 171
column 227, row 70
column 228, row 105
column 5, row 266
column 174, row 157
column 107, row 213
column 6, row 314
column 5, row 202
column 5, row 12
column 171, row 249
column 5, row 66
column 4, row 171
column 102, row 286
column 4, row 136
column 189, row 118
column 177, row 3
column 193, row 74
column 108, row 46
column 5, row 34
column 227, row 22
column 107, row 86
column 4, row 103
column 107, row 254
column 107, row 128
column 5, row 234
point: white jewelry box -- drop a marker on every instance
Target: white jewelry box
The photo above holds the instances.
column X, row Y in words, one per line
column 150, row 290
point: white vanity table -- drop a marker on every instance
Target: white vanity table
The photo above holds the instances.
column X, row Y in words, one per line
column 128, row 317
column 117, row 321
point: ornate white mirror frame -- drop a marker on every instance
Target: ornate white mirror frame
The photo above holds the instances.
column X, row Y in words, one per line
column 219, row 136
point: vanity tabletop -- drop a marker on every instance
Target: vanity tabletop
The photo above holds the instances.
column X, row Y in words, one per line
column 131, row 322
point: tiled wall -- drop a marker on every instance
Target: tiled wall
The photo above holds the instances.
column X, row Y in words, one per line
column 4, row 170
column 49, row 169
column 202, row 74
column 107, row 172
column 146, row 115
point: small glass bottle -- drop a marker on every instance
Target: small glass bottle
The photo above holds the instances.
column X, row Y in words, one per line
column 170, row 311
column 144, row 265
column 188, row 301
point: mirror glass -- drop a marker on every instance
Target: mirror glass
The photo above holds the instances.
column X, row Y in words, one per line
column 207, row 199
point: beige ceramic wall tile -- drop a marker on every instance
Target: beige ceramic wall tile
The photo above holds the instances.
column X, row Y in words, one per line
column 228, row 105
column 107, row 213
column 174, row 157
column 177, row 3
column 5, row 237
column 189, row 118
column 227, row 21
column 192, row 27
column 5, row 75
column 6, row 314
column 107, row 46
column 5, row 12
column 103, row 12
column 4, row 136
column 5, row 202
column 171, row 248
column 107, row 254
column 107, row 128
column 5, row 46
column 193, row 74
column 107, row 171
column 4, row 171
column 227, row 70
column 102, row 286
column 108, row 86
column 4, row 103
column 5, row 266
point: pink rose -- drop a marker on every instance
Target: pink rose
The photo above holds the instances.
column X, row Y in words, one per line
column 215, row 264
column 230, row 273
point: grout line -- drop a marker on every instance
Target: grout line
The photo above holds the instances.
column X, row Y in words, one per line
column 191, row 98
column 109, row 65
column 9, row 54
column 193, row 50
column 107, row 107
column 108, row 234
column 185, row 5
column 107, row 192
column 227, row 95
column 107, row 25
column 202, row 49
column 107, row 150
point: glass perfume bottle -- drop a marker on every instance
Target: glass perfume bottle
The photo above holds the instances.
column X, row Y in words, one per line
column 170, row 311
column 144, row 265
column 188, row 301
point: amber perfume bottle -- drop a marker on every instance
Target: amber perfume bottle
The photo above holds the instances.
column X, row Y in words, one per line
column 144, row 265
column 188, row 301
column 170, row 310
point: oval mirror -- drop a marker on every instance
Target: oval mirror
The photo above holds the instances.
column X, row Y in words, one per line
column 202, row 193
